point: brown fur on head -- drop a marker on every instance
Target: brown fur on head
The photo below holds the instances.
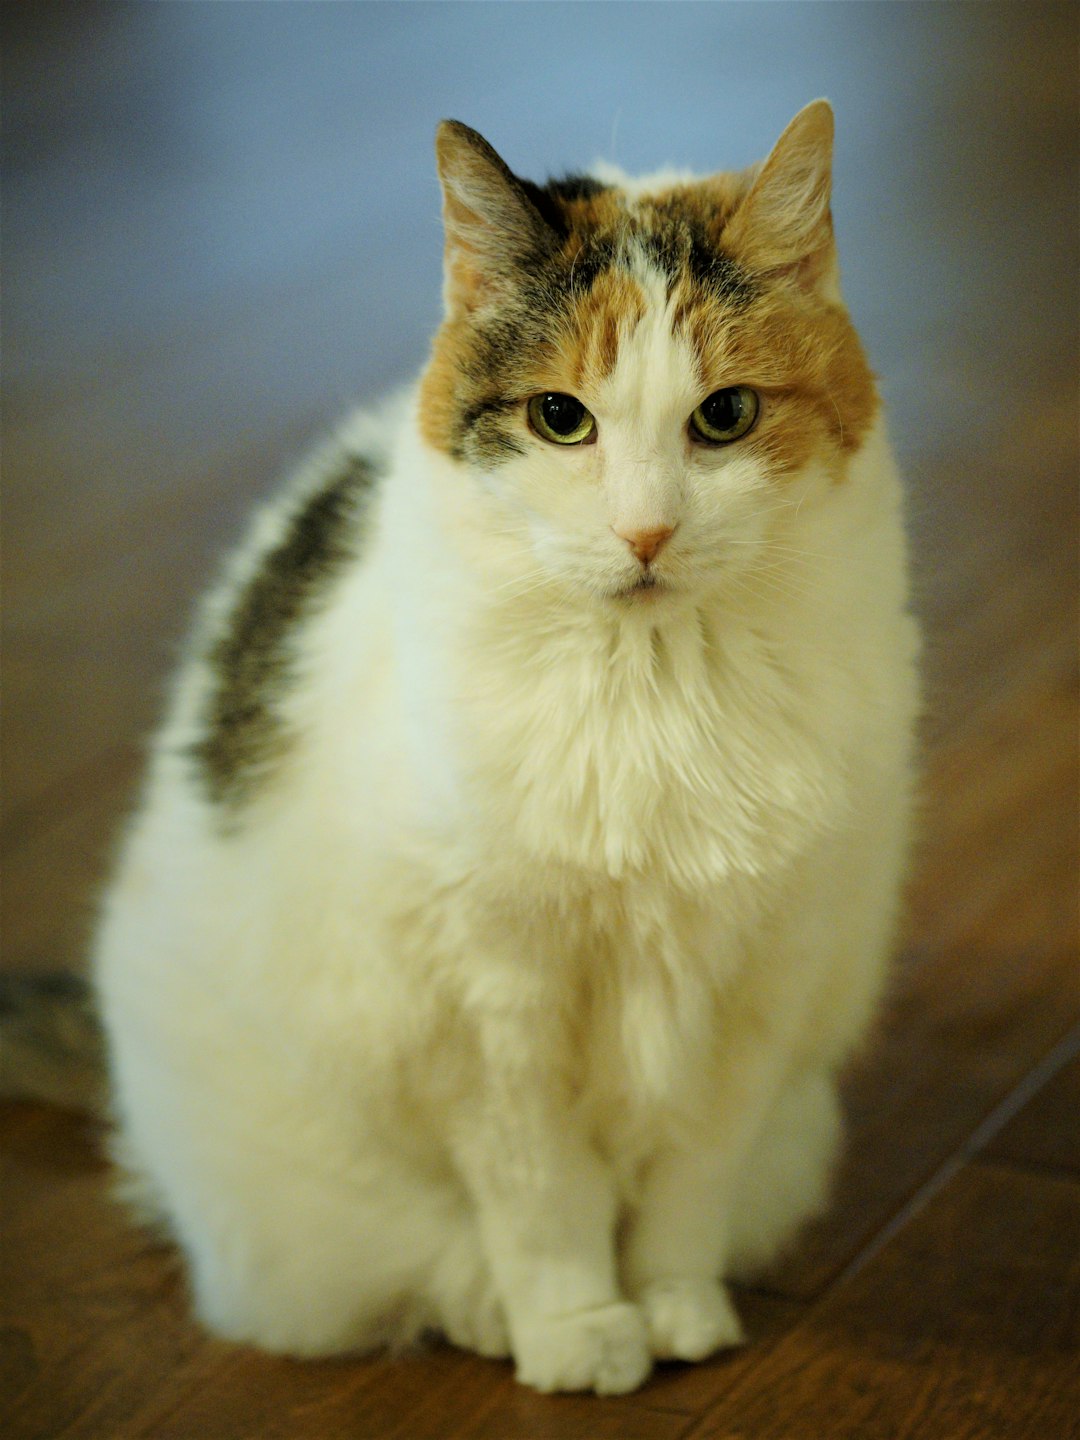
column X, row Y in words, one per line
column 542, row 284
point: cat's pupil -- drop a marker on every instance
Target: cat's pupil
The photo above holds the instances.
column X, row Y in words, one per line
column 562, row 413
column 723, row 409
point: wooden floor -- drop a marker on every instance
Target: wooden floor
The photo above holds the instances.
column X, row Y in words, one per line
column 220, row 224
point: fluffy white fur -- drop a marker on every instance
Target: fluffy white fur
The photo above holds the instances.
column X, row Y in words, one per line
column 512, row 1005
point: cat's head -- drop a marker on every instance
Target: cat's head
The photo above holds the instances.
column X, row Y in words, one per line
column 639, row 374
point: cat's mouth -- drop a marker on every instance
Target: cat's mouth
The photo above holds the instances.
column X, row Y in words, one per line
column 644, row 587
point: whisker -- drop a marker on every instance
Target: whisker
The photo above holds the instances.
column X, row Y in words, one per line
column 780, row 548
column 521, row 585
column 764, row 581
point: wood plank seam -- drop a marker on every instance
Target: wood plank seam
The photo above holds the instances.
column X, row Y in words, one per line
column 1066, row 1050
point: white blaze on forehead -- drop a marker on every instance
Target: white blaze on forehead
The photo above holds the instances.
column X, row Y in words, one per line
column 638, row 187
column 644, row 404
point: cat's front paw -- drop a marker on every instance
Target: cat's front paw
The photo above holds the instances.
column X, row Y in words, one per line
column 605, row 1350
column 689, row 1319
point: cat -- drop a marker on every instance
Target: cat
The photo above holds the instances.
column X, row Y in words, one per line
column 520, row 858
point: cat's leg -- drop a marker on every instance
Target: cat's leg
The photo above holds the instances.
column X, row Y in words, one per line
column 785, row 1181
column 674, row 1254
column 677, row 1241
column 726, row 1204
column 546, row 1209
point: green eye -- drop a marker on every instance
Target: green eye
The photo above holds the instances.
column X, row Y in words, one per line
column 560, row 419
column 725, row 415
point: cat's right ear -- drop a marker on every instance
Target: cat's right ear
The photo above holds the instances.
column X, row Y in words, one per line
column 492, row 227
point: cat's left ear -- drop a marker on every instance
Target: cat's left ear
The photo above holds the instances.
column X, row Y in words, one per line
column 784, row 223
column 493, row 230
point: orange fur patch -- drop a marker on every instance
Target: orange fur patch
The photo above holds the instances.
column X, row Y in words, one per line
column 610, row 312
column 802, row 355
column 440, row 385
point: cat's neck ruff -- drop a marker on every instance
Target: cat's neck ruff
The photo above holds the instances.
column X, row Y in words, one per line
column 662, row 735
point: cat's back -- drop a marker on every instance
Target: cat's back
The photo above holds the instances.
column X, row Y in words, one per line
column 258, row 640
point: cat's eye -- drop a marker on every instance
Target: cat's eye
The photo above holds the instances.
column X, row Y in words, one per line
column 560, row 419
column 725, row 415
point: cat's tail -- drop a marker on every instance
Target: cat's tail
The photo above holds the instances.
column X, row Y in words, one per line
column 52, row 1047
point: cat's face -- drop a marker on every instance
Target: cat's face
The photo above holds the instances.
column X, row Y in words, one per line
column 644, row 375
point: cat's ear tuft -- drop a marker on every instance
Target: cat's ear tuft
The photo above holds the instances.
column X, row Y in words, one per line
column 492, row 227
column 784, row 223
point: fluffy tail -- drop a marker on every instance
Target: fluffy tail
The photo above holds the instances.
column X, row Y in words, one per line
column 52, row 1047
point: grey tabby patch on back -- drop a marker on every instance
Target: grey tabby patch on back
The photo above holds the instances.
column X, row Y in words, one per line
column 251, row 659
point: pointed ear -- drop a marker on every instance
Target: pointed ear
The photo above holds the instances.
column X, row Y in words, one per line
column 784, row 223
column 492, row 227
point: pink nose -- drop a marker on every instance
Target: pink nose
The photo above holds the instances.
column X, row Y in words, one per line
column 646, row 544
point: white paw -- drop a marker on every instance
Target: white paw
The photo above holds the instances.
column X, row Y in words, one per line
column 689, row 1319
column 606, row 1350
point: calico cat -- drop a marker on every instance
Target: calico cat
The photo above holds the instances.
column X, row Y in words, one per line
column 520, row 858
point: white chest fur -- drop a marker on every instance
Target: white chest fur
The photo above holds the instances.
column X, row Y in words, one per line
column 650, row 742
